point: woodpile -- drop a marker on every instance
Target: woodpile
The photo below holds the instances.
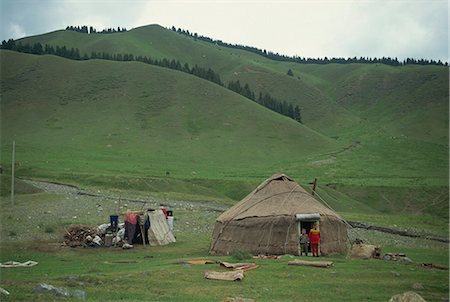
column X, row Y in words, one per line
column 88, row 236
column 77, row 235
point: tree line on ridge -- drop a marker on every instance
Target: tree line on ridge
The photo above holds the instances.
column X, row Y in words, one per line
column 303, row 60
column 208, row 74
column 91, row 30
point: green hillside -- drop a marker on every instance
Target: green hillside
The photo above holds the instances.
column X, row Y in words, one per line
column 157, row 42
column 335, row 98
column 368, row 125
column 134, row 119
column 330, row 95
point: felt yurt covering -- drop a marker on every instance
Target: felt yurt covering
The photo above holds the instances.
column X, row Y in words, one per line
column 264, row 222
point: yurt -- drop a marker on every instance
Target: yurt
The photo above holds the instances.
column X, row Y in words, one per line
column 269, row 221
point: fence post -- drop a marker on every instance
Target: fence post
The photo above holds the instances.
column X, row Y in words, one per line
column 12, row 171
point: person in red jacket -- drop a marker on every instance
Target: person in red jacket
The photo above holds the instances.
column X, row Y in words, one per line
column 314, row 238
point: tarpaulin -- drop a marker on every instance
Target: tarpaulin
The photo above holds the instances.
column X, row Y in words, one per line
column 226, row 276
column 18, row 264
column 239, row 266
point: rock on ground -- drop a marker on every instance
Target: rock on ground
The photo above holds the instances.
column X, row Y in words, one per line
column 59, row 291
column 407, row 297
column 56, row 291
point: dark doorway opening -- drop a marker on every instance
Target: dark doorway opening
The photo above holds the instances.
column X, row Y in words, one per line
column 307, row 225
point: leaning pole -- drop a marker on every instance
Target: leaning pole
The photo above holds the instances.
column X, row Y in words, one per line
column 12, row 171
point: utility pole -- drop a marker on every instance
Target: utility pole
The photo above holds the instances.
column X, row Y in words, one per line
column 12, row 171
column 314, row 184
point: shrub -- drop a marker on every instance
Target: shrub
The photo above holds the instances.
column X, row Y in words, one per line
column 242, row 255
column 49, row 229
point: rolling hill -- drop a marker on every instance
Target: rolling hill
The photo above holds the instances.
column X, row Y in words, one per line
column 133, row 118
column 102, row 121
column 333, row 96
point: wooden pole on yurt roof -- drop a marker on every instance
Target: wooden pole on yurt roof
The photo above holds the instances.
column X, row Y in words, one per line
column 314, row 183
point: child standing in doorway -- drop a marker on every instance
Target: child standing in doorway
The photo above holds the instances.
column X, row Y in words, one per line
column 304, row 242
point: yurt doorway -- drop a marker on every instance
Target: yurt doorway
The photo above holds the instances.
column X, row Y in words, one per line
column 307, row 225
column 307, row 222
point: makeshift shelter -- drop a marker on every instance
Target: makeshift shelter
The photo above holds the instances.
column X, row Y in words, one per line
column 154, row 225
column 136, row 227
column 159, row 232
column 269, row 220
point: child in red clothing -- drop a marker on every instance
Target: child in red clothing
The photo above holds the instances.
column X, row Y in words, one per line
column 314, row 238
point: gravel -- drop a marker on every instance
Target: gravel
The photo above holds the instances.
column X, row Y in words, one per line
column 40, row 217
column 384, row 239
column 70, row 205
column 174, row 204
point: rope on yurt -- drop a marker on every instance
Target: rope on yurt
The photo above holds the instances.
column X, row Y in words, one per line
column 260, row 244
column 290, row 224
column 224, row 225
column 294, row 219
column 343, row 219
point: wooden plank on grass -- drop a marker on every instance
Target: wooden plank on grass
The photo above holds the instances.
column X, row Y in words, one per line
column 311, row 263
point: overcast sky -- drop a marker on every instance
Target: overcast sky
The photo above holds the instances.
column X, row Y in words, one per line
column 333, row 28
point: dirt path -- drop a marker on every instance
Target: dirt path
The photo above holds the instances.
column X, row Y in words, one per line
column 64, row 189
column 366, row 226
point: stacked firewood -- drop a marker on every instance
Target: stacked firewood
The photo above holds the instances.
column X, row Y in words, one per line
column 79, row 235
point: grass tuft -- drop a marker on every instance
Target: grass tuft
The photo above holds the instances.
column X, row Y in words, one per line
column 242, row 255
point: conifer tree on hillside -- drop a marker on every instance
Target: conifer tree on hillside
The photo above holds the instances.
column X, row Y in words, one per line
column 297, row 114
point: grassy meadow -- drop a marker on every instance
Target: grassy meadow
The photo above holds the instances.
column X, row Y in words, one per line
column 32, row 228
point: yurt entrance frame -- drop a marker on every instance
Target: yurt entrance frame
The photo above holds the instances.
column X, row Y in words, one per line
column 306, row 221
